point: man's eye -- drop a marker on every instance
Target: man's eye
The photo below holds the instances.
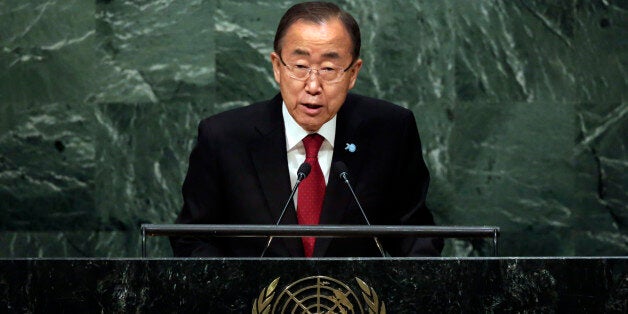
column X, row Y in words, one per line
column 328, row 69
column 301, row 67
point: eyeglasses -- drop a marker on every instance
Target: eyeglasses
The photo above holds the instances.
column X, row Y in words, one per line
column 326, row 74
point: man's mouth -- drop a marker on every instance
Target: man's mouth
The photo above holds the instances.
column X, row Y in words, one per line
column 312, row 106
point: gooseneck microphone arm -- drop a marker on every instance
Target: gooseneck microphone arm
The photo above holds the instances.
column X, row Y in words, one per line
column 302, row 173
column 344, row 175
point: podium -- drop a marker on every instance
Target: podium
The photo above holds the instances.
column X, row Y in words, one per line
column 315, row 285
column 229, row 285
column 269, row 231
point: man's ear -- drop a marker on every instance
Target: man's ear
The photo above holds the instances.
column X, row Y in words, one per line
column 355, row 69
column 274, row 59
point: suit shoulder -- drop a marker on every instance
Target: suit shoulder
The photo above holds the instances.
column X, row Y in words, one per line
column 240, row 122
column 374, row 108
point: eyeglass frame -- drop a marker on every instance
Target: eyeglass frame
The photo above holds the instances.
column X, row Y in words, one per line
column 311, row 70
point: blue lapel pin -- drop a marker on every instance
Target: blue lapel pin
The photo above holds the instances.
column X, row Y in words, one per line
column 350, row 147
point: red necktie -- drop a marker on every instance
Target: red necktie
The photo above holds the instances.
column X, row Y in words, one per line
column 311, row 191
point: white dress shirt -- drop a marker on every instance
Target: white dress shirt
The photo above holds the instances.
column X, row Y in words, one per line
column 296, row 151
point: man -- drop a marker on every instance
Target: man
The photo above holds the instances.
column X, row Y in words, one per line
column 245, row 161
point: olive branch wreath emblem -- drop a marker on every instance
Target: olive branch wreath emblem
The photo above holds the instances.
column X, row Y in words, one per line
column 264, row 302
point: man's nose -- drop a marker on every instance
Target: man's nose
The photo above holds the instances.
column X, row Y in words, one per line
column 313, row 83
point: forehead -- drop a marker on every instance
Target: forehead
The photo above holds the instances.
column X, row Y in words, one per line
column 329, row 39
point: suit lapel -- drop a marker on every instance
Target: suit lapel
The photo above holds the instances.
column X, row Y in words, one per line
column 338, row 198
column 269, row 157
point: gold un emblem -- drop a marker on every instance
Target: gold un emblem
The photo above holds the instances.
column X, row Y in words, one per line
column 317, row 294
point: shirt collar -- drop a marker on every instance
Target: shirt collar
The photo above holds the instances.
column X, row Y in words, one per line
column 295, row 133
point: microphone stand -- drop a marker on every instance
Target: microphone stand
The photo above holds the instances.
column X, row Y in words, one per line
column 304, row 171
column 344, row 176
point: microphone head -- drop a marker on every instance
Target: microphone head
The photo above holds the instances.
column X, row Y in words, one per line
column 342, row 169
column 304, row 170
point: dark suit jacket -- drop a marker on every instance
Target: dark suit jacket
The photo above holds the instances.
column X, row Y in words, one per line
column 238, row 174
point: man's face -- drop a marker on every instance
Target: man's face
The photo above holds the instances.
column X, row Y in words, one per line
column 313, row 102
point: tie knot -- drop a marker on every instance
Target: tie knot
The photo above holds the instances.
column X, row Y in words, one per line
column 312, row 144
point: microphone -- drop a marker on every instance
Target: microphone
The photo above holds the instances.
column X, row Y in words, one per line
column 302, row 173
column 344, row 175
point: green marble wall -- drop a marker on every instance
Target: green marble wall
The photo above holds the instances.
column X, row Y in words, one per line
column 522, row 107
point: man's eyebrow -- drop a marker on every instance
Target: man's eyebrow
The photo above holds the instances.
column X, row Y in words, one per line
column 300, row 52
column 329, row 55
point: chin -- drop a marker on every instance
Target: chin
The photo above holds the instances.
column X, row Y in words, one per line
column 310, row 127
